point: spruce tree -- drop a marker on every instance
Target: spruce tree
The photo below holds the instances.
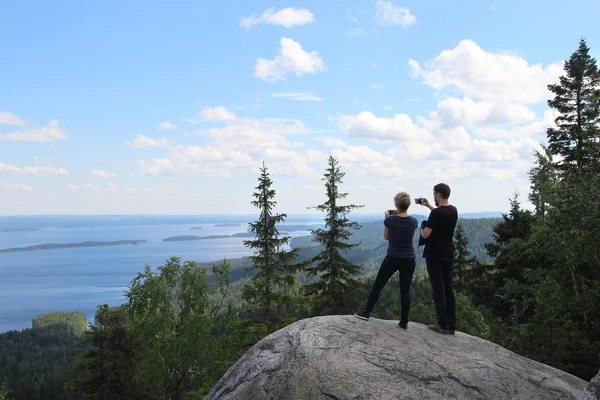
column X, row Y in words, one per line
column 270, row 289
column 336, row 275
column 577, row 99
column 462, row 254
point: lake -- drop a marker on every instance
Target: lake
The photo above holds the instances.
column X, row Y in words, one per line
column 79, row 279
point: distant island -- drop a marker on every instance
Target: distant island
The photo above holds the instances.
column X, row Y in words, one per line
column 20, row 230
column 53, row 246
column 196, row 228
column 184, row 238
column 229, row 225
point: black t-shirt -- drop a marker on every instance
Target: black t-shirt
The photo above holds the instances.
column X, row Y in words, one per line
column 442, row 221
column 401, row 231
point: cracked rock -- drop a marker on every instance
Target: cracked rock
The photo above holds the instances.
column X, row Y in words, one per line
column 343, row 358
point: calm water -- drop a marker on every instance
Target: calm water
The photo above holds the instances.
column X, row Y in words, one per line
column 79, row 279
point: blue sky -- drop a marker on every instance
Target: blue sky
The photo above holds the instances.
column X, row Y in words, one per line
column 171, row 107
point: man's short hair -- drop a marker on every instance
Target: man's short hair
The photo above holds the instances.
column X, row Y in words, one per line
column 443, row 190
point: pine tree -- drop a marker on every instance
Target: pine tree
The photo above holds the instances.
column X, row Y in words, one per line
column 336, row 275
column 462, row 262
column 542, row 178
column 577, row 98
column 270, row 290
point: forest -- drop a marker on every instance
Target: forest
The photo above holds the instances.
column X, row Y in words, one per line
column 531, row 283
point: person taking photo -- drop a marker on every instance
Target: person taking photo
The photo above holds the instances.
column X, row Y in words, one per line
column 439, row 257
column 399, row 231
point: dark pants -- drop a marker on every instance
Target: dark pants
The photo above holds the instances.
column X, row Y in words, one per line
column 440, row 270
column 406, row 268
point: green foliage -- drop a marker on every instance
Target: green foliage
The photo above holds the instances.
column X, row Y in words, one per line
column 4, row 392
column 75, row 320
column 36, row 363
column 542, row 294
column 336, row 276
column 272, row 291
column 105, row 371
column 462, row 261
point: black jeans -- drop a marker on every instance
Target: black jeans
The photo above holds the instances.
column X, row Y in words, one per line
column 406, row 268
column 440, row 270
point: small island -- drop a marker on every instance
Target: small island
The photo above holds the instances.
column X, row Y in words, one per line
column 228, row 225
column 184, row 238
column 196, row 228
column 54, row 246
column 20, row 230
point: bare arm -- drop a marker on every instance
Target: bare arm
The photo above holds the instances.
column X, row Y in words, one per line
column 425, row 232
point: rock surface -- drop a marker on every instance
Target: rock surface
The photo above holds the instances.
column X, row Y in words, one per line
column 592, row 391
column 342, row 357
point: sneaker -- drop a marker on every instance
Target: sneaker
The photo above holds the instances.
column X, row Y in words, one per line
column 363, row 315
column 438, row 329
column 451, row 330
column 403, row 324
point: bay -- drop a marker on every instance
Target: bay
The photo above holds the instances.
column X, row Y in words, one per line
column 79, row 279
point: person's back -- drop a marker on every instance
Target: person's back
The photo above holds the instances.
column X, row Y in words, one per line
column 401, row 231
column 442, row 221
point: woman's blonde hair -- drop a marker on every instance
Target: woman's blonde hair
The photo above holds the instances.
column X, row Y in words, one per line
column 402, row 201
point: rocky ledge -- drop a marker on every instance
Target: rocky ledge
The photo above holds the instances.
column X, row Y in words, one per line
column 342, row 357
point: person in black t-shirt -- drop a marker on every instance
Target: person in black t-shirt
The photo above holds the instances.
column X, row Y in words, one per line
column 439, row 257
column 399, row 230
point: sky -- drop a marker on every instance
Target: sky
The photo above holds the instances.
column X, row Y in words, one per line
column 155, row 107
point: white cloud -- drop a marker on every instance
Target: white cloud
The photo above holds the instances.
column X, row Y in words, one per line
column 112, row 186
column 359, row 32
column 364, row 161
column 287, row 17
column 291, row 59
column 239, row 146
column 72, row 186
column 367, row 125
column 496, row 77
column 8, row 118
column 536, row 128
column 297, row 96
column 92, row 187
column 6, row 169
column 48, row 133
column 389, row 15
column 5, row 185
column 387, row 108
column 36, row 160
column 167, row 125
column 144, row 142
column 249, row 134
column 377, row 87
column 103, row 174
column 453, row 112
column 217, row 114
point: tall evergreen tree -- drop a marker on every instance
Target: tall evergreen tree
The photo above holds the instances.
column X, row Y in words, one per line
column 336, row 275
column 577, row 99
column 462, row 254
column 270, row 290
